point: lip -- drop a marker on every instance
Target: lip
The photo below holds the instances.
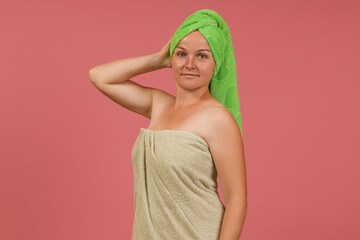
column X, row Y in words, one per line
column 190, row 75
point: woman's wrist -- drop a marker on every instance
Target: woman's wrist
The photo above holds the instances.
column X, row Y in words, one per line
column 160, row 61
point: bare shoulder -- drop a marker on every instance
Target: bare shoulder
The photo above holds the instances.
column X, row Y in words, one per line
column 222, row 127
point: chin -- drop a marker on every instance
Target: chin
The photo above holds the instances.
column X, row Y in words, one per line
column 190, row 85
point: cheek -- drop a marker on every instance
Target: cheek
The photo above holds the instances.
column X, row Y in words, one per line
column 175, row 68
column 175, row 65
column 210, row 69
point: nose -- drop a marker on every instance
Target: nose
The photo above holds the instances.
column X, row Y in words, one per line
column 190, row 64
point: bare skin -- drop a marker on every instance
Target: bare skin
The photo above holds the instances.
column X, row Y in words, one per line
column 193, row 109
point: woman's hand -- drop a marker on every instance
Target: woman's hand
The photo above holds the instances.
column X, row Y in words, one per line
column 164, row 55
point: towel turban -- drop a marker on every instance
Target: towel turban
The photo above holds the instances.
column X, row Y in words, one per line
column 223, row 84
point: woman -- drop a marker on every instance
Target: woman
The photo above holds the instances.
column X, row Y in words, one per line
column 192, row 138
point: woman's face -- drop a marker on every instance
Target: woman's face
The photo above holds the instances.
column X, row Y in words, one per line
column 193, row 56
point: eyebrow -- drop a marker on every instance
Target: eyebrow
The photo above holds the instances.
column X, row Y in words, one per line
column 203, row 49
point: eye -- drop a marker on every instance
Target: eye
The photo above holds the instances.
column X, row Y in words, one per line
column 179, row 54
column 204, row 56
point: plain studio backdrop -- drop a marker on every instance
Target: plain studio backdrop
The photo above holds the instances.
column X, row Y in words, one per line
column 65, row 164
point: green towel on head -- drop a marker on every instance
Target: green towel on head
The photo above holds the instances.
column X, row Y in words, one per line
column 223, row 84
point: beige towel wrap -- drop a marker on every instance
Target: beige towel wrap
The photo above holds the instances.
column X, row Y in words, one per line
column 175, row 187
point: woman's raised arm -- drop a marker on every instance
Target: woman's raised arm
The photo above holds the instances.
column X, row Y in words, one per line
column 113, row 80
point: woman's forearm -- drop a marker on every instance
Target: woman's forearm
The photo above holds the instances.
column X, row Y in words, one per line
column 121, row 70
column 233, row 221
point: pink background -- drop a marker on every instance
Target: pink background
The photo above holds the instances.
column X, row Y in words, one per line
column 65, row 169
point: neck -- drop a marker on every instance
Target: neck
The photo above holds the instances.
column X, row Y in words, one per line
column 186, row 99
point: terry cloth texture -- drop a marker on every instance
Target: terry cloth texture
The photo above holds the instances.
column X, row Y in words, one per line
column 175, row 187
column 223, row 85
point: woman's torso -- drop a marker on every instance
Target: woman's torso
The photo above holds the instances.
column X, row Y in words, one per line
column 175, row 178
